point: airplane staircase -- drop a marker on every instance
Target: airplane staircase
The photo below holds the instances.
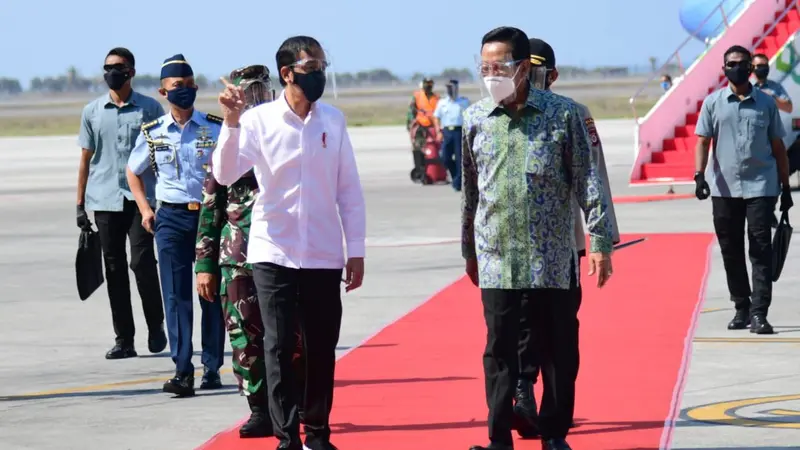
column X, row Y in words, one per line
column 665, row 138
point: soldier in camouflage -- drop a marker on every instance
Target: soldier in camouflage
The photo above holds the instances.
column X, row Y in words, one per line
column 222, row 254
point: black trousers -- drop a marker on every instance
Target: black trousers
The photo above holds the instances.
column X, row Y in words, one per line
column 730, row 215
column 553, row 316
column 312, row 296
column 115, row 228
column 529, row 360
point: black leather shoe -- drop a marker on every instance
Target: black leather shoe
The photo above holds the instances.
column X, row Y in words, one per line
column 319, row 445
column 211, row 379
column 121, row 351
column 157, row 340
column 491, row 447
column 259, row 425
column 740, row 320
column 287, row 446
column 555, row 444
column 760, row 325
column 180, row 385
column 526, row 417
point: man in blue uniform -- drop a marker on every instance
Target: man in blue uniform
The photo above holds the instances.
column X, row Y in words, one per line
column 176, row 148
column 448, row 119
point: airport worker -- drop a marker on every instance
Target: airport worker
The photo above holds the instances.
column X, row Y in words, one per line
column 515, row 173
column 225, row 219
column 448, row 118
column 176, row 149
column 543, row 68
column 304, row 224
column 749, row 171
column 109, row 127
column 420, row 122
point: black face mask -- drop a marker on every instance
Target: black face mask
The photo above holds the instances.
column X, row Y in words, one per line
column 761, row 72
column 182, row 97
column 452, row 92
column 312, row 84
column 737, row 75
column 115, row 79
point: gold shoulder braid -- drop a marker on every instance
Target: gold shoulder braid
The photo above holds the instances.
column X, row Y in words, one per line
column 152, row 150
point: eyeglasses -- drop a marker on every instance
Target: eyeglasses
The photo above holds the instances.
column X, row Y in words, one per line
column 311, row 65
column 735, row 64
column 497, row 67
column 121, row 67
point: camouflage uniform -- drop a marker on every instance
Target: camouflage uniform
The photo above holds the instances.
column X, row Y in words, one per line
column 221, row 250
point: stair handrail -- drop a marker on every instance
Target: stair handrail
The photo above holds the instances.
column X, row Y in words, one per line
column 779, row 19
column 676, row 54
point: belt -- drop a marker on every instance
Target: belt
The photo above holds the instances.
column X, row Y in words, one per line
column 452, row 128
column 184, row 206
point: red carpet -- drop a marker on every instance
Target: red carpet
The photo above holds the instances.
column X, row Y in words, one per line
column 418, row 384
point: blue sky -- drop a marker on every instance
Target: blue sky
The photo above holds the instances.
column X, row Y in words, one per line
column 47, row 36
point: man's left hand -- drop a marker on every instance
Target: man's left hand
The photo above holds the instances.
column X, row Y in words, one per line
column 600, row 263
column 355, row 274
column 786, row 199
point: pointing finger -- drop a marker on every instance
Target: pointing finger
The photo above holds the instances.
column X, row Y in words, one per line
column 225, row 82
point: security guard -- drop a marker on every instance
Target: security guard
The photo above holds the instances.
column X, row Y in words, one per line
column 420, row 122
column 176, row 148
column 448, row 118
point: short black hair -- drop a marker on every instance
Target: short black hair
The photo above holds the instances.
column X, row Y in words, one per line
column 289, row 51
column 123, row 53
column 520, row 46
column 761, row 55
column 737, row 49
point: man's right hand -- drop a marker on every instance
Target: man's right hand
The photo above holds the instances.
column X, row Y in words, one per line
column 472, row 271
column 83, row 218
column 207, row 286
column 232, row 101
column 148, row 218
column 701, row 189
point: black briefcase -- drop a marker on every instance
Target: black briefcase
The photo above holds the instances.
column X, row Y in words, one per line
column 89, row 263
column 780, row 245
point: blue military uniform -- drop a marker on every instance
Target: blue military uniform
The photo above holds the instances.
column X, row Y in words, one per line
column 178, row 156
column 450, row 112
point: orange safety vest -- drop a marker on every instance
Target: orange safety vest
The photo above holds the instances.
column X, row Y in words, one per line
column 425, row 107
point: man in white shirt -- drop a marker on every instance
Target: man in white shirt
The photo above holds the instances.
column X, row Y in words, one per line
column 308, row 180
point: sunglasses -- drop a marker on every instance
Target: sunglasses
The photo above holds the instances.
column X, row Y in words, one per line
column 735, row 64
column 121, row 67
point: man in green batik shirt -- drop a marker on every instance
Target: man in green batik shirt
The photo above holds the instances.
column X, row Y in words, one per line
column 527, row 153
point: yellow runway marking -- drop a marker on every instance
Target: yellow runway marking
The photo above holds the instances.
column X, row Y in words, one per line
column 708, row 310
column 101, row 387
column 727, row 413
column 754, row 340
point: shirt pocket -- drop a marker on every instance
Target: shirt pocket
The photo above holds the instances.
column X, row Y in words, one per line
column 757, row 132
column 165, row 160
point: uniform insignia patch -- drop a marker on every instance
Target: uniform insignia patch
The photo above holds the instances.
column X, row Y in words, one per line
column 213, row 118
column 592, row 131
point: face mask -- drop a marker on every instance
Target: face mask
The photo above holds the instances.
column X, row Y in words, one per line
column 737, row 75
column 762, row 73
column 500, row 88
column 452, row 92
column 665, row 85
column 312, row 84
column 182, row 97
column 115, row 79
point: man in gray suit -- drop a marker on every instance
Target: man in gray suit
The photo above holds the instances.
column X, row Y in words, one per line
column 544, row 73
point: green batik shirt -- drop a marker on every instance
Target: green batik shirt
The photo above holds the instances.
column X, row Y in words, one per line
column 224, row 226
column 519, row 176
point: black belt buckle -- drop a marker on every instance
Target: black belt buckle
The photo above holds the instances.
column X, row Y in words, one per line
column 452, row 128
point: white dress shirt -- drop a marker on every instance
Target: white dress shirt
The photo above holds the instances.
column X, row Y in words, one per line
column 308, row 181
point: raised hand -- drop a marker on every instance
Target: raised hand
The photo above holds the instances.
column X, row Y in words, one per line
column 232, row 101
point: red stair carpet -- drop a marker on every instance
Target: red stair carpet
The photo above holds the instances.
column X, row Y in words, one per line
column 676, row 158
column 419, row 384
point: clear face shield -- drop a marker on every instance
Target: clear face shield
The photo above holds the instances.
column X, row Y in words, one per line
column 255, row 82
column 539, row 77
column 499, row 77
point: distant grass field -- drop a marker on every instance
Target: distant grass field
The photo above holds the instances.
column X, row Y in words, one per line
column 358, row 115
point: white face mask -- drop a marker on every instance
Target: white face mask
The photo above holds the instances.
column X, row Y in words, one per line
column 500, row 88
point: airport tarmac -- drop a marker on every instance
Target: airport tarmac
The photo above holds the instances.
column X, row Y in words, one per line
column 58, row 392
